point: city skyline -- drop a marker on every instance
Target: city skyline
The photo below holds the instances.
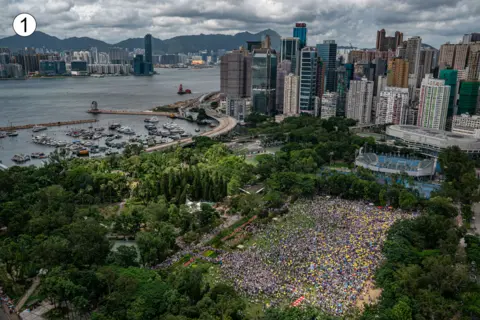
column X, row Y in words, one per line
column 113, row 21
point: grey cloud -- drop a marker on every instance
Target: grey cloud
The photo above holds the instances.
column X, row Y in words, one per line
column 436, row 21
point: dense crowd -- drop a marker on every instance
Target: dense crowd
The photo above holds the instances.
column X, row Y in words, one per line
column 325, row 250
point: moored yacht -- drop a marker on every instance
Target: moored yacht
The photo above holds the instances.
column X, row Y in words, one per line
column 38, row 128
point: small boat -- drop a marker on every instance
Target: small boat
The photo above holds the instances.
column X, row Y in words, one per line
column 152, row 120
column 83, row 152
column 212, row 125
column 177, row 130
column 39, row 128
column 12, row 134
column 181, row 91
column 20, row 158
column 118, row 136
column 38, row 155
column 150, row 126
column 99, row 129
column 2, row 135
column 114, row 126
column 197, row 130
column 96, row 136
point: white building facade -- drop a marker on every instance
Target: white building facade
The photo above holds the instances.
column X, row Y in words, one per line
column 329, row 105
column 392, row 106
column 359, row 101
column 467, row 125
column 433, row 103
column 290, row 96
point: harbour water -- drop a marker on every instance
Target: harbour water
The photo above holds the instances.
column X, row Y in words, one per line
column 50, row 100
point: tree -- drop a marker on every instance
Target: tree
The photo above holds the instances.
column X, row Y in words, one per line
column 124, row 256
column 207, row 216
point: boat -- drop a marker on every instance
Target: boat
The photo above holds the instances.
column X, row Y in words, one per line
column 212, row 125
column 177, row 130
column 39, row 128
column 99, row 129
column 38, row 155
column 12, row 134
column 164, row 133
column 20, row 158
column 181, row 91
column 150, row 126
column 152, row 120
column 2, row 135
column 175, row 137
column 197, row 130
column 126, row 130
column 83, row 152
column 96, row 136
column 114, row 126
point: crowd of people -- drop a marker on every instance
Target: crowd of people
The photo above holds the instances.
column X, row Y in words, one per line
column 6, row 302
column 325, row 250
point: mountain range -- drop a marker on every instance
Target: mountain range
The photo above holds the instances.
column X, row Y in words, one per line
column 180, row 44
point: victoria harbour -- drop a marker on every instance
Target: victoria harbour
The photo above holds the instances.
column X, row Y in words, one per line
column 64, row 99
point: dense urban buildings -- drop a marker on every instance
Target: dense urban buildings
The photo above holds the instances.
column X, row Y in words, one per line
column 451, row 79
column 468, row 97
column 414, row 45
column 433, row 104
column 360, row 100
column 466, row 124
column 385, row 43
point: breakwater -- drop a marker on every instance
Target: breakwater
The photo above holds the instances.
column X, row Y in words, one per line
column 49, row 124
column 130, row 112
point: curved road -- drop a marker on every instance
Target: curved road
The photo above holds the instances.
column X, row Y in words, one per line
column 225, row 124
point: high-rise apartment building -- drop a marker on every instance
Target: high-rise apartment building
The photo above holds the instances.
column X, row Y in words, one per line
column 290, row 50
column 290, row 97
column 461, row 55
column 447, row 55
column 118, row 56
column 308, row 80
column 342, row 89
column 236, row 74
column 397, row 74
column 359, row 100
column 392, row 106
column 320, row 77
column 300, row 32
column 433, row 103
column 471, row 37
column 283, row 69
column 414, row 45
column 385, row 43
column 355, row 56
column 329, row 105
column 94, row 54
column 264, row 77
column 148, row 52
column 328, row 52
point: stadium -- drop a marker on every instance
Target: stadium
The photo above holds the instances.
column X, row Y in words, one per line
column 396, row 165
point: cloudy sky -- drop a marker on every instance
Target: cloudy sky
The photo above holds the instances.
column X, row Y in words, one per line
column 355, row 21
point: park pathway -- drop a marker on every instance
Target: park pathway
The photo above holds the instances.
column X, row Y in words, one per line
column 27, row 294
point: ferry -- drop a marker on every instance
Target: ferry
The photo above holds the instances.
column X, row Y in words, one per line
column 39, row 128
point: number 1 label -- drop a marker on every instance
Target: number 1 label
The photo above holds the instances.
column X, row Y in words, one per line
column 24, row 24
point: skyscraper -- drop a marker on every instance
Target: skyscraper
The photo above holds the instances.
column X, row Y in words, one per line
column 359, row 100
column 380, row 39
column 392, row 105
column 290, row 97
column 308, row 80
column 341, row 86
column 235, row 74
column 328, row 52
column 290, row 50
column 148, row 52
column 474, row 66
column 433, row 103
column 385, row 43
column 264, row 77
column 283, row 69
column 468, row 92
column 413, row 54
column 320, row 77
column 329, row 105
column 300, row 32
column 397, row 74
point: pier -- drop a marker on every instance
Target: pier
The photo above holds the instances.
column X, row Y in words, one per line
column 49, row 124
column 130, row 112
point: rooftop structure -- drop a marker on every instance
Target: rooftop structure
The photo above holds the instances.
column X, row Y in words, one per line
column 432, row 141
column 396, row 165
